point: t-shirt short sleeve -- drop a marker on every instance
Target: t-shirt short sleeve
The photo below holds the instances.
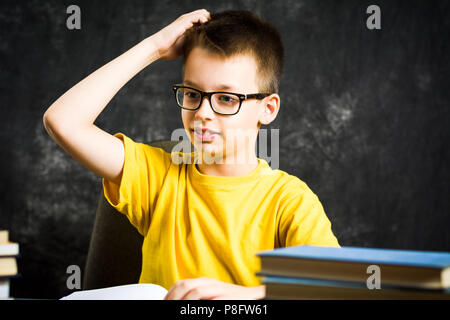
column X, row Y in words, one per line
column 303, row 220
column 144, row 170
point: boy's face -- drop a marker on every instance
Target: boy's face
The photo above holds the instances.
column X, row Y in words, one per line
column 208, row 71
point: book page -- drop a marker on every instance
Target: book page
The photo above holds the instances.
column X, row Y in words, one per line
column 143, row 291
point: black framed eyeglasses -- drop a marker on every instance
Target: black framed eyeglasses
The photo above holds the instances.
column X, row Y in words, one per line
column 222, row 102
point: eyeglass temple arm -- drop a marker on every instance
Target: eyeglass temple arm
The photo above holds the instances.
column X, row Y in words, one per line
column 256, row 95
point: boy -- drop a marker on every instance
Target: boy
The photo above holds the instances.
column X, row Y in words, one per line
column 202, row 220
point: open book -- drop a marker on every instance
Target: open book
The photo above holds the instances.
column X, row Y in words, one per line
column 142, row 291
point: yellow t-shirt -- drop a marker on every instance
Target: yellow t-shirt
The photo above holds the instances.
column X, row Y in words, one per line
column 196, row 225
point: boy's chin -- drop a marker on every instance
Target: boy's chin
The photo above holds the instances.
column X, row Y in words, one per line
column 208, row 149
column 205, row 145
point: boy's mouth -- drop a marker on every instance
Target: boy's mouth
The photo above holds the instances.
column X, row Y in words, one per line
column 205, row 134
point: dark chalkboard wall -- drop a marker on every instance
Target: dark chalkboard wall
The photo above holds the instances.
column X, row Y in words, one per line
column 364, row 118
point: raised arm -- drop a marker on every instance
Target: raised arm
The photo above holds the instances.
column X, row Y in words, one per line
column 70, row 119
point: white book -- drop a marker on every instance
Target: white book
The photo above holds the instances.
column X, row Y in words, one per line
column 9, row 249
column 4, row 289
column 142, row 291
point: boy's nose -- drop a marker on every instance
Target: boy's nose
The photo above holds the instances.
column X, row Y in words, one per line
column 205, row 110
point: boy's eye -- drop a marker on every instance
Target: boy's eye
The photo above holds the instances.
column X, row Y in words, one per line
column 226, row 98
column 191, row 94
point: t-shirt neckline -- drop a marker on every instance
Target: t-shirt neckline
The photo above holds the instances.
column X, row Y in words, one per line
column 224, row 181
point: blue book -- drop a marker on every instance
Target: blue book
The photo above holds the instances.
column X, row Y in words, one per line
column 420, row 269
column 302, row 288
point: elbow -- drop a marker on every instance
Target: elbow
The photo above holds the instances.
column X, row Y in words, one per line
column 45, row 118
column 53, row 126
column 47, row 125
column 47, row 121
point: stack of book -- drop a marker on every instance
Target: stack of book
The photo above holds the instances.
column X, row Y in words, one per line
column 9, row 252
column 316, row 272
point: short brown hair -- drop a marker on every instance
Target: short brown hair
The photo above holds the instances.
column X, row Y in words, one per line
column 235, row 32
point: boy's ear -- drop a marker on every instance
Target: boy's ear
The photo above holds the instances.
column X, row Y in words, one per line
column 271, row 106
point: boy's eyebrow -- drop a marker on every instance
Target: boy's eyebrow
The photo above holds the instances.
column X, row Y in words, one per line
column 220, row 87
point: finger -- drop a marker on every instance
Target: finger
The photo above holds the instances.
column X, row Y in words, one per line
column 178, row 290
column 206, row 14
column 201, row 11
column 201, row 14
column 189, row 21
column 174, row 292
column 203, row 19
column 204, row 292
column 181, row 287
column 206, row 289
